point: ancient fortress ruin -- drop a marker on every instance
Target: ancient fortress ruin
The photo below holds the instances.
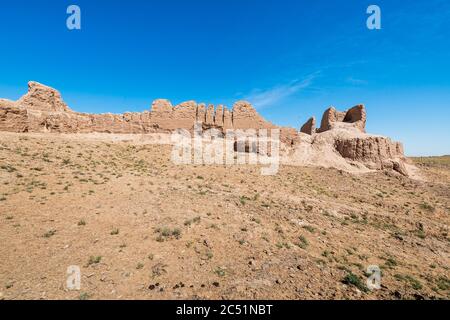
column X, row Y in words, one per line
column 340, row 141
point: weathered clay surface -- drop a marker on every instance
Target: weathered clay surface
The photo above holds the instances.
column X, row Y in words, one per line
column 330, row 116
column 43, row 110
column 309, row 127
column 227, row 119
column 218, row 118
column 245, row 117
column 40, row 97
column 209, row 119
column 370, row 150
column 355, row 117
column 12, row 118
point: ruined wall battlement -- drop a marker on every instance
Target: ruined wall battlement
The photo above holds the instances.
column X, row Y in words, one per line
column 42, row 109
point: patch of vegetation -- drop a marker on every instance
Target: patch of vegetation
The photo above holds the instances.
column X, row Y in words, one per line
column 139, row 266
column 158, row 270
column 94, row 260
column 309, row 228
column 220, row 272
column 414, row 283
column 344, row 268
column 303, row 242
column 354, row 280
column 84, row 296
column 167, row 233
column 50, row 233
column 390, row 263
column 321, row 262
column 426, row 206
column 443, row 283
column 176, row 233
column 398, row 235
column 81, row 222
column 326, row 254
column 420, row 233
column 115, row 232
column 191, row 221
column 281, row 245
column 279, row 230
column 243, row 199
column 8, row 168
column 443, row 161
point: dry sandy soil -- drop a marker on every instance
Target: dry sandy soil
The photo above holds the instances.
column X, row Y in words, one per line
column 141, row 227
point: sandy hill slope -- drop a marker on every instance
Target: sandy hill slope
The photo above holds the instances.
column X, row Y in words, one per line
column 140, row 226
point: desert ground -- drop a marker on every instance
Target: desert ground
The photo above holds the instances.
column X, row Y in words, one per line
column 141, row 227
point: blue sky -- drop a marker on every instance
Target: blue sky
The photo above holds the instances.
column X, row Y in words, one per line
column 291, row 59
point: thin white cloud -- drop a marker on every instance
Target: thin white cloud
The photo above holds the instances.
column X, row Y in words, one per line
column 271, row 97
column 357, row 82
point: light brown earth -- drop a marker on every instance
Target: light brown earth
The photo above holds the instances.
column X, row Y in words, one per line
column 141, row 227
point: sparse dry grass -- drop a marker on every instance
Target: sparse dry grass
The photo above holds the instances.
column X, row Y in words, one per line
column 142, row 227
column 442, row 161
